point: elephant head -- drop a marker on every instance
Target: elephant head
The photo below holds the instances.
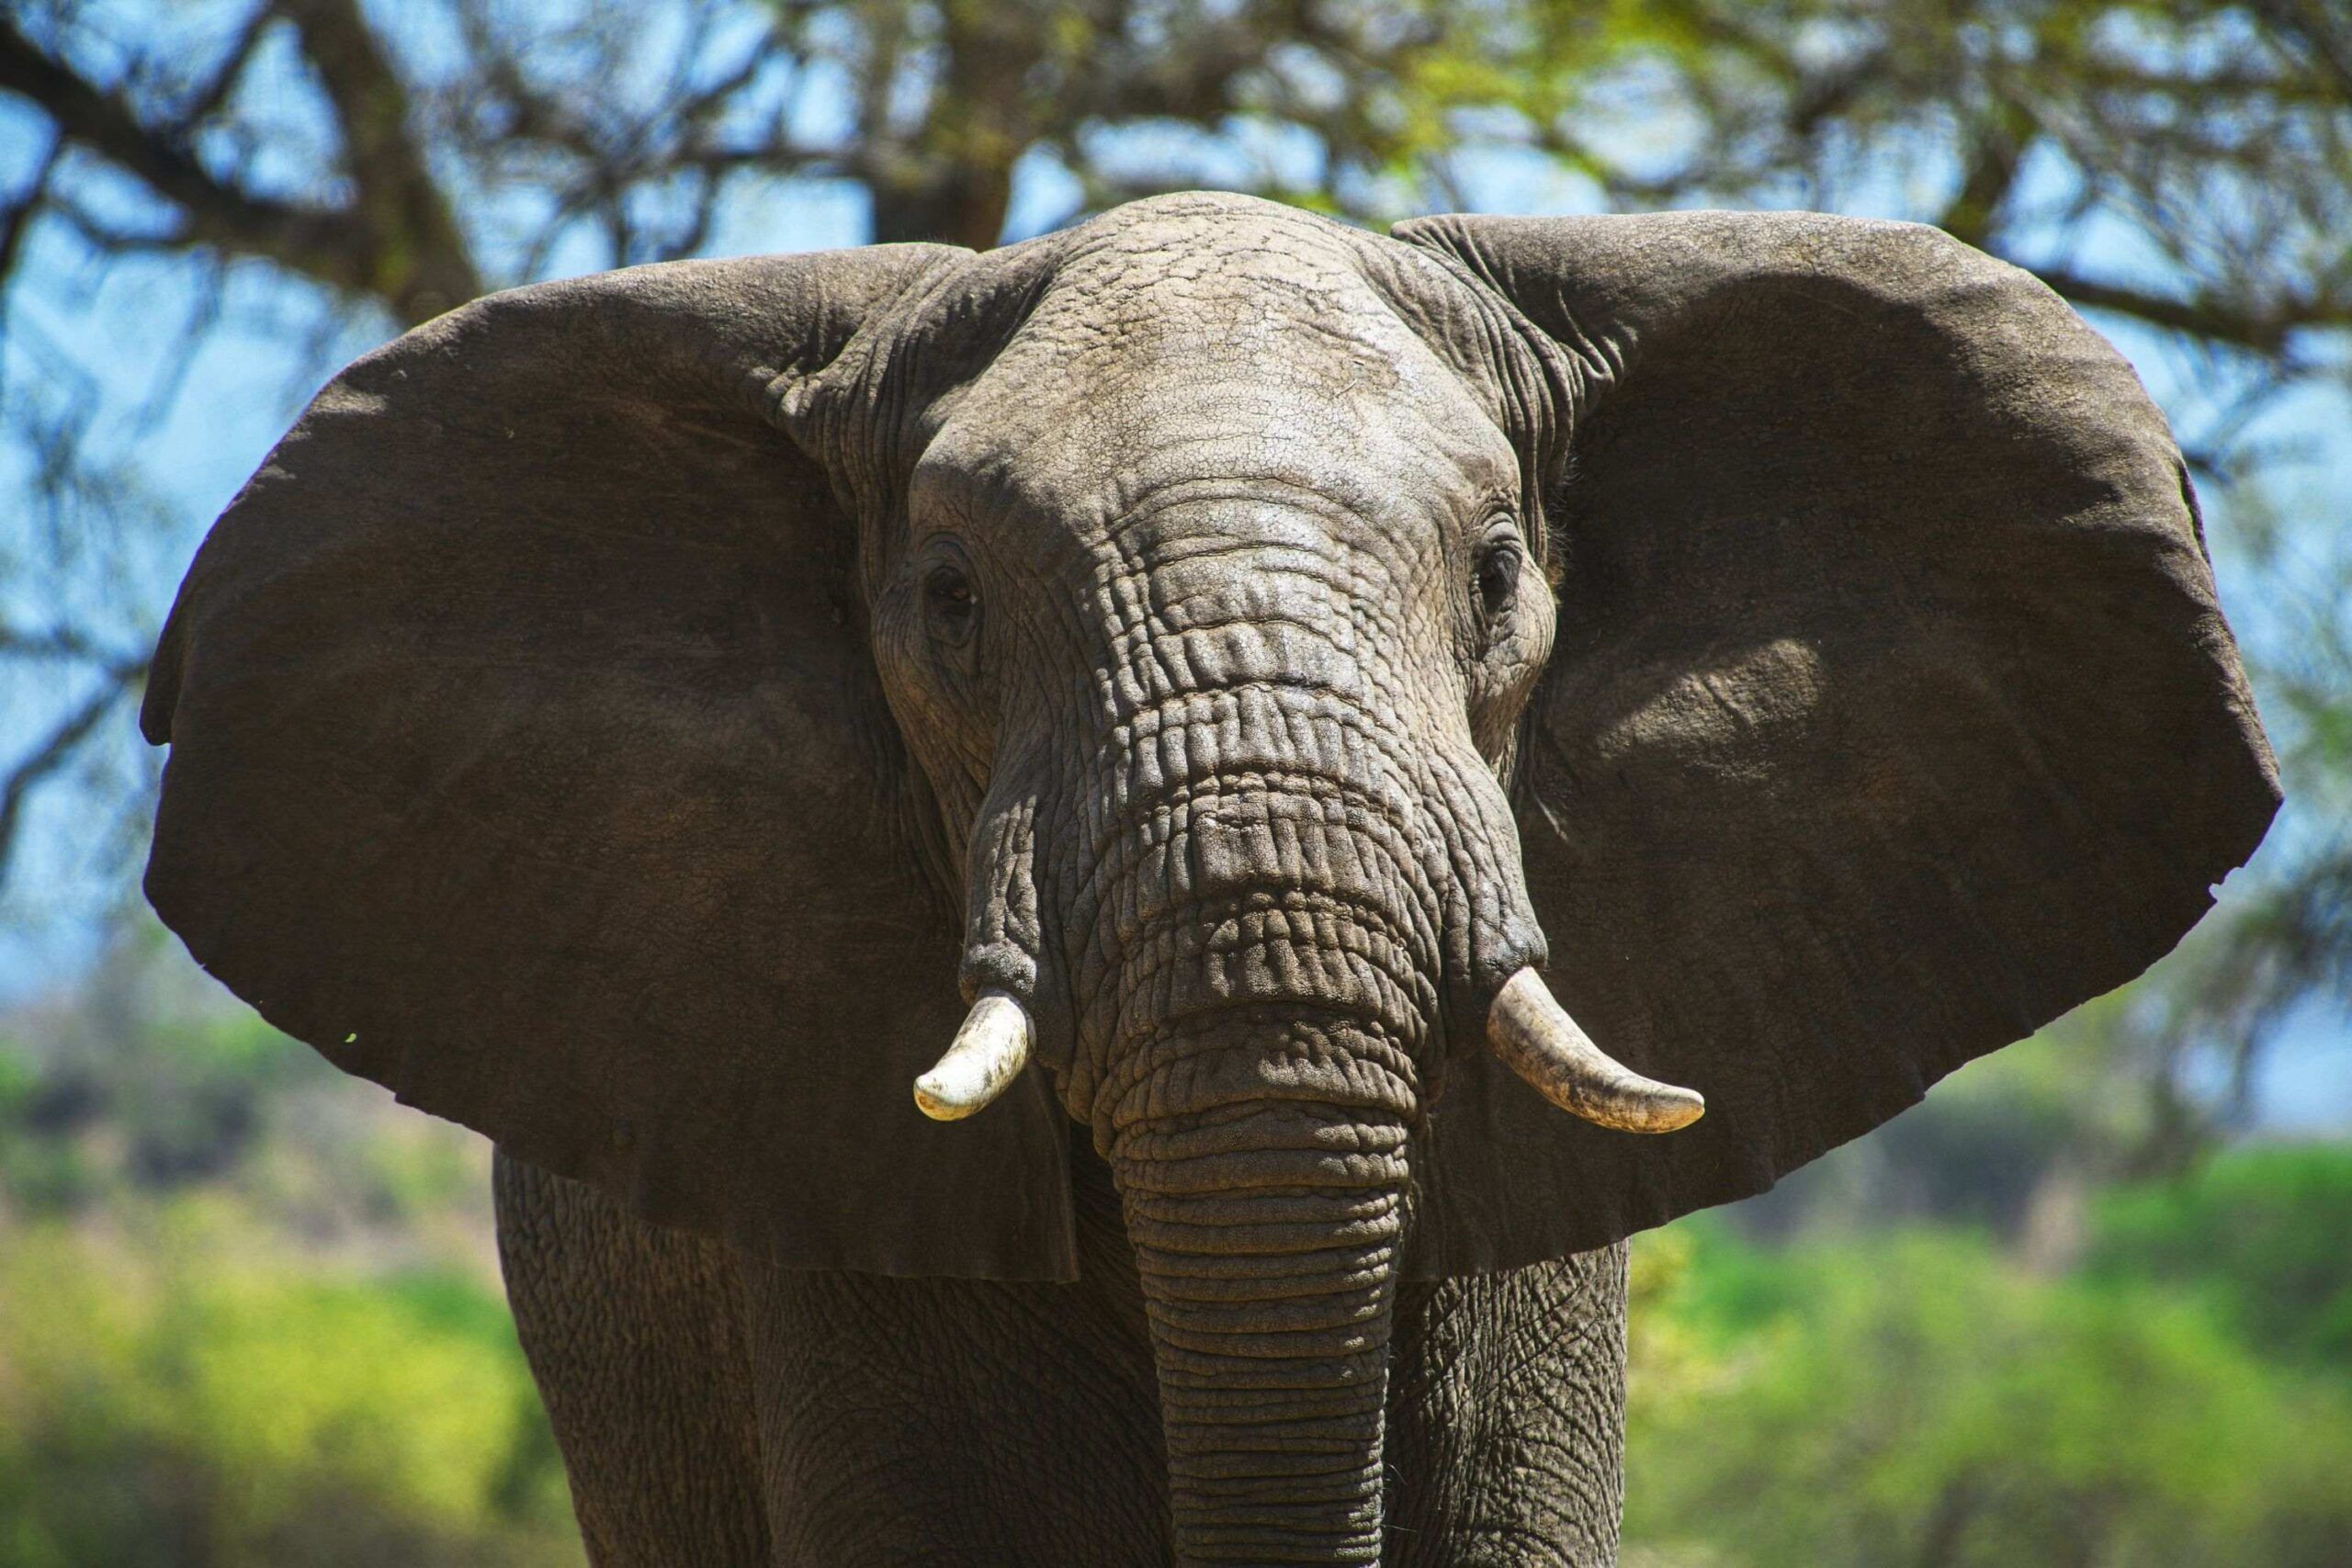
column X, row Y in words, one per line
column 1238, row 652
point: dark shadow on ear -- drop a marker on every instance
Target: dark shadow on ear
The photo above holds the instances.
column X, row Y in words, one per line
column 1892, row 714
column 527, row 758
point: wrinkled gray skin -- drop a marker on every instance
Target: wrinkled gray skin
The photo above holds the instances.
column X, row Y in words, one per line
column 1211, row 585
column 588, row 720
column 716, row 1409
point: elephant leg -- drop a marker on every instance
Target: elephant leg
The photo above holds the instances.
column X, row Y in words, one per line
column 635, row 1336
column 1507, row 1417
column 965, row 1424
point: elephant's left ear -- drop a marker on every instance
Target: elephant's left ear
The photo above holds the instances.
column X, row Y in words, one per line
column 529, row 758
column 1891, row 713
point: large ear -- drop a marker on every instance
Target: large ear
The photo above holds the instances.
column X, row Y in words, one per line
column 1891, row 713
column 527, row 757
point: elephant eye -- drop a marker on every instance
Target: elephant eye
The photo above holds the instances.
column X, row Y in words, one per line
column 952, row 608
column 1498, row 579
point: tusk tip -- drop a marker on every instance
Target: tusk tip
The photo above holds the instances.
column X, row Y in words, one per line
column 1670, row 1109
column 936, row 1101
column 986, row 1055
column 1535, row 1036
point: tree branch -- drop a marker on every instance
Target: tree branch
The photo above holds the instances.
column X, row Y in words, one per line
column 311, row 241
column 209, row 100
column 107, row 127
column 398, row 242
column 56, row 749
column 1992, row 172
column 2264, row 332
column 418, row 258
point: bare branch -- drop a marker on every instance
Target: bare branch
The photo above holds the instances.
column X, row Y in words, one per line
column 420, row 262
column 56, row 749
column 19, row 221
column 60, row 642
column 313, row 240
column 108, row 126
column 2262, row 331
column 208, row 101
column 1976, row 208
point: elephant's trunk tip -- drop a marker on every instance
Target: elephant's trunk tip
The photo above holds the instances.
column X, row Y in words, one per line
column 1531, row 1033
column 986, row 1056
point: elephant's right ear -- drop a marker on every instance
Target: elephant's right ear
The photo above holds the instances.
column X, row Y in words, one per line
column 1892, row 712
column 527, row 758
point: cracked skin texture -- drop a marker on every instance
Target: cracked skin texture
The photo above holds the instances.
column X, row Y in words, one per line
column 623, row 714
column 709, row 1406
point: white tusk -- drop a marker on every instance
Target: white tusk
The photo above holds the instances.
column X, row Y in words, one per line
column 986, row 1056
column 1535, row 1035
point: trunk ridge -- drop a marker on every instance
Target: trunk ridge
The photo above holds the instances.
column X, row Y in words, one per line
column 1269, row 1275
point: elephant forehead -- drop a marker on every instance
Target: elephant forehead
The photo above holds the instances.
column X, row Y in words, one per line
column 1279, row 293
column 1323, row 394
column 1236, row 463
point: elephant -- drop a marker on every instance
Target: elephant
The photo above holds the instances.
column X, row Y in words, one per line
column 1316, row 754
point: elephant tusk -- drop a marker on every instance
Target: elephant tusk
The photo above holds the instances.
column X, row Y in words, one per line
column 1534, row 1035
column 986, row 1056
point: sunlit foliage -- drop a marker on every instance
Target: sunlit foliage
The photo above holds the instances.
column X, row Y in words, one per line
column 1922, row 1398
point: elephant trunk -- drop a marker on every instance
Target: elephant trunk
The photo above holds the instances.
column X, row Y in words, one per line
column 1288, row 869
column 1266, row 1234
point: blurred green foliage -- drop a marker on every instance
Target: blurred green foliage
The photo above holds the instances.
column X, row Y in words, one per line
column 193, row 1393
column 2262, row 1237
column 275, row 1336
column 1920, row 1397
column 247, row 1312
